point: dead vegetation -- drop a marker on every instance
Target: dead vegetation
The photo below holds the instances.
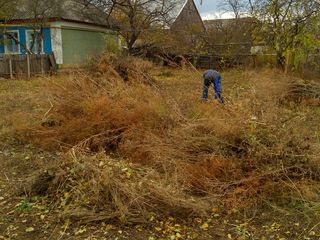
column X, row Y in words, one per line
column 134, row 149
column 129, row 68
column 119, row 190
column 307, row 91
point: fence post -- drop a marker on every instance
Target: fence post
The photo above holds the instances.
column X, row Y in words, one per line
column 28, row 66
column 41, row 63
column 10, row 67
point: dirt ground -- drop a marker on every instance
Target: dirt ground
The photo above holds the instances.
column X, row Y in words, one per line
column 23, row 218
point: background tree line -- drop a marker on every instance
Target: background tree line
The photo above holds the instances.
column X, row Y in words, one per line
column 285, row 26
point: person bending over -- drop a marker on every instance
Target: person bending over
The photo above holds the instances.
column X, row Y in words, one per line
column 212, row 77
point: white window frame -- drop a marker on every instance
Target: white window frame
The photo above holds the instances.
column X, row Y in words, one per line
column 6, row 51
column 27, row 40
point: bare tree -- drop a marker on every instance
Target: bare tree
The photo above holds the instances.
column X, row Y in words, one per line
column 133, row 18
column 236, row 7
column 7, row 8
column 38, row 12
column 35, row 13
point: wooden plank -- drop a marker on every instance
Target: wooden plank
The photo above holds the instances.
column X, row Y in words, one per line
column 42, row 65
column 53, row 62
column 28, row 66
column 10, row 67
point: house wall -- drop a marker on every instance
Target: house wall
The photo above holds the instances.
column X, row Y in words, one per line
column 73, row 43
column 78, row 45
column 47, row 47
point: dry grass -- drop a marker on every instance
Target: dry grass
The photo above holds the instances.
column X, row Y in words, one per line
column 168, row 152
column 119, row 190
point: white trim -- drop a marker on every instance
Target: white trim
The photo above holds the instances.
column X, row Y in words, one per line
column 79, row 26
column 56, row 44
column 6, row 38
column 27, row 40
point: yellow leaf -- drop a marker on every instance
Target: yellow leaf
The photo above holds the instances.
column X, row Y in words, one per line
column 204, row 226
column 30, row 229
column 229, row 236
column 128, row 174
column 312, row 233
column 178, row 235
column 80, row 231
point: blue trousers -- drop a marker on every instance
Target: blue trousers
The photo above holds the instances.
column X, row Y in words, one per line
column 216, row 83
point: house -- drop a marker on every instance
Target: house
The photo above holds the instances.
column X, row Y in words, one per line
column 218, row 36
column 72, row 40
column 188, row 19
column 187, row 29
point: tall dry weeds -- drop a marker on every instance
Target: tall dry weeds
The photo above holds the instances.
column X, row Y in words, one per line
column 257, row 146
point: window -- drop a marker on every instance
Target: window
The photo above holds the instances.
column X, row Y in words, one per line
column 11, row 42
column 33, row 41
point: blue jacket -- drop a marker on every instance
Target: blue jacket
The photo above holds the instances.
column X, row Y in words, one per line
column 213, row 76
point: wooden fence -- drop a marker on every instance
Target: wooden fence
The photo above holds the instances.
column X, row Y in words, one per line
column 26, row 65
column 208, row 61
column 310, row 67
column 223, row 61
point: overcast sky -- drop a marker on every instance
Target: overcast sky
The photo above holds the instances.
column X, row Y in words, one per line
column 210, row 10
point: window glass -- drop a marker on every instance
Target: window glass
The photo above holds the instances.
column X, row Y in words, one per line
column 33, row 41
column 11, row 42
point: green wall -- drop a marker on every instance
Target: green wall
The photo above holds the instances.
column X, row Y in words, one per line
column 78, row 45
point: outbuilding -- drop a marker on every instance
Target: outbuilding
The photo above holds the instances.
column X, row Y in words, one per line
column 71, row 41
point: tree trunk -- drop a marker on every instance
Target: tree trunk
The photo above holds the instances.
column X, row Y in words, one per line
column 281, row 59
column 130, row 47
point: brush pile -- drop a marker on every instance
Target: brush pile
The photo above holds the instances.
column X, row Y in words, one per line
column 136, row 149
column 304, row 90
column 102, row 188
column 130, row 69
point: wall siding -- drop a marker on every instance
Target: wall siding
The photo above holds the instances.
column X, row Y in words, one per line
column 78, row 45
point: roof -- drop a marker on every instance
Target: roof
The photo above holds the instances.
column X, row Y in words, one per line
column 209, row 24
column 69, row 11
column 51, row 20
column 181, row 5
